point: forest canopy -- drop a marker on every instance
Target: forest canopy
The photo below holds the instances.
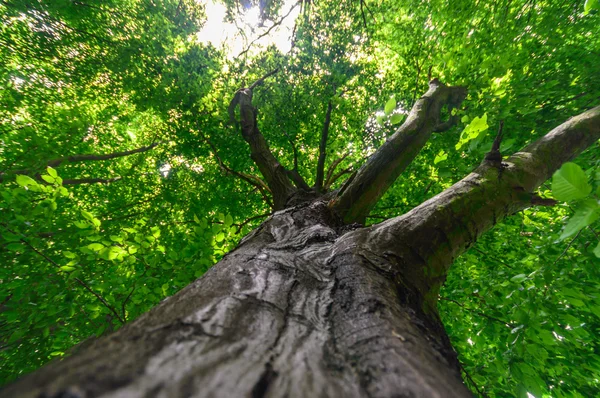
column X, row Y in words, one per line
column 124, row 176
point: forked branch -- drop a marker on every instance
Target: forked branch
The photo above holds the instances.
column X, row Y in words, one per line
column 443, row 227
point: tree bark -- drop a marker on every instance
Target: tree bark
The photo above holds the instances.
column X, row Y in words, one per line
column 294, row 311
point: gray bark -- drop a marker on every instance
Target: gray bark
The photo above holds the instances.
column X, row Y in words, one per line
column 294, row 311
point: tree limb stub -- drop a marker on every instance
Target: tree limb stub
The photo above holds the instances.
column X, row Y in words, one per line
column 273, row 172
column 445, row 226
column 358, row 196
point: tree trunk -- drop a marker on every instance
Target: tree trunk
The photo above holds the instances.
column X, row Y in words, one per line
column 294, row 311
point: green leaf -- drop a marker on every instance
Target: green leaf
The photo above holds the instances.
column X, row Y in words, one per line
column 389, row 106
column 591, row 5
column 228, row 220
column 597, row 250
column 25, row 181
column 380, row 120
column 570, row 183
column 48, row 179
column 585, row 214
column 95, row 246
column 396, row 118
column 87, row 214
column 472, row 130
column 51, row 172
column 15, row 247
column 69, row 254
column 518, row 278
column 440, row 157
column 81, row 224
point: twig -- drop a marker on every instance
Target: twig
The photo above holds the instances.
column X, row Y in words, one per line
column 268, row 31
column 262, row 79
column 567, row 248
column 83, row 158
column 493, row 258
column 347, row 170
column 257, row 182
column 332, row 167
column 472, row 382
column 507, row 324
column 79, row 181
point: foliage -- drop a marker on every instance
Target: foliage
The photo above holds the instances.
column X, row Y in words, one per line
column 90, row 244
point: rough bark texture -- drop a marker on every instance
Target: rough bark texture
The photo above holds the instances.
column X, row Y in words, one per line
column 294, row 311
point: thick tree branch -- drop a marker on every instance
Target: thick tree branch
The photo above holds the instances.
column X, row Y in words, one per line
column 323, row 149
column 273, row 172
column 443, row 227
column 358, row 196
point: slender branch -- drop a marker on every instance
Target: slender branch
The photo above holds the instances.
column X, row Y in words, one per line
column 245, row 222
column 83, row 158
column 478, row 312
column 493, row 258
column 257, row 182
column 567, row 248
column 332, row 168
column 294, row 174
column 80, row 181
column 323, row 149
column 107, row 156
column 336, row 177
column 482, row 394
column 262, row 79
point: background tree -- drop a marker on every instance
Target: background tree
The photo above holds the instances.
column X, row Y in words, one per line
column 129, row 107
